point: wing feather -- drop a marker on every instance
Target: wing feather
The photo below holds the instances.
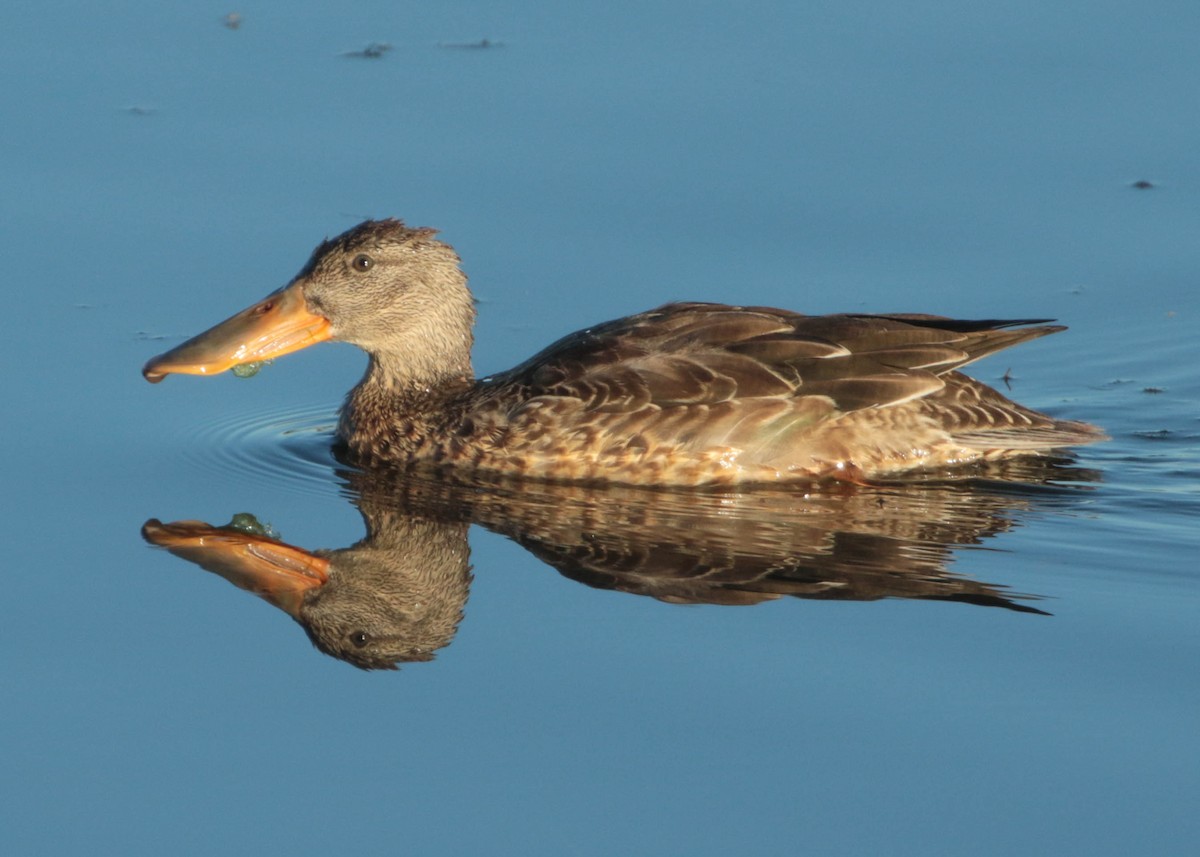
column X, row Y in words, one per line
column 689, row 355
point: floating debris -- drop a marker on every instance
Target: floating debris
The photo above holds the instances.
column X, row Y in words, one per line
column 482, row 44
column 372, row 51
column 233, row 20
column 249, row 370
column 1142, row 184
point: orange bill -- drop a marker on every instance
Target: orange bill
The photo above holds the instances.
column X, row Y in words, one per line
column 278, row 572
column 279, row 324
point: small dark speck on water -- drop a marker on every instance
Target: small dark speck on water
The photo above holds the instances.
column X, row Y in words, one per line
column 373, row 51
column 1142, row 184
column 138, row 110
column 482, row 44
column 233, row 20
column 1152, row 390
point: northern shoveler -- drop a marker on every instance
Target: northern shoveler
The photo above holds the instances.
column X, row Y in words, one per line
column 688, row 394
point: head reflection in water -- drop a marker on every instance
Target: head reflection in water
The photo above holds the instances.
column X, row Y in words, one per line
column 395, row 596
column 398, row 595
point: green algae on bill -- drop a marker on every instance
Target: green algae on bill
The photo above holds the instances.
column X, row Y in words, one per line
column 247, row 522
column 249, row 370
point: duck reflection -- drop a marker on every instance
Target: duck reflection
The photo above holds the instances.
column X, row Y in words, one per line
column 398, row 595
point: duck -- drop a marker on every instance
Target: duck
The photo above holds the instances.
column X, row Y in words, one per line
column 686, row 395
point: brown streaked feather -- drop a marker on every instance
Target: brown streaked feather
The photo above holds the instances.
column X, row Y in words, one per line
column 685, row 354
column 875, row 391
column 977, row 416
column 786, row 349
column 688, row 383
column 719, row 329
column 917, row 357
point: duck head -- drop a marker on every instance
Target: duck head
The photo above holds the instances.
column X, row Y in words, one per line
column 396, row 292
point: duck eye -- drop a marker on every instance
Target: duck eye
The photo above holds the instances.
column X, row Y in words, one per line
column 359, row 638
column 362, row 262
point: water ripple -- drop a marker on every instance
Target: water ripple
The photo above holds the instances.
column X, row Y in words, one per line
column 285, row 447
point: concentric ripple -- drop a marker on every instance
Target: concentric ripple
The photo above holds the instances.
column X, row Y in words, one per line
column 287, row 448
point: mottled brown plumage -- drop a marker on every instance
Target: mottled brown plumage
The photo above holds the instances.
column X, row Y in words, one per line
column 688, row 394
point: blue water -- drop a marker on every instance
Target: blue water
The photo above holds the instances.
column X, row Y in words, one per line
column 162, row 171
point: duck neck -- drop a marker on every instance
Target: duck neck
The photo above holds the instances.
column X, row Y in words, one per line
column 410, row 376
column 401, row 406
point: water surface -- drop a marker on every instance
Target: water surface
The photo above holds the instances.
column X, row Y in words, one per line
column 163, row 170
